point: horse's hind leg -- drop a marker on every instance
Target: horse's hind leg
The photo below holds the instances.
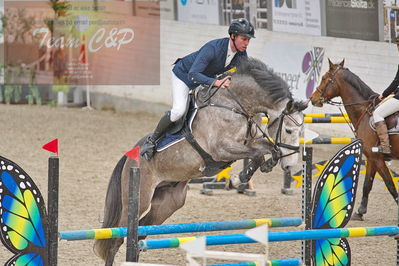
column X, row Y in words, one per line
column 116, row 244
column 165, row 202
column 367, row 186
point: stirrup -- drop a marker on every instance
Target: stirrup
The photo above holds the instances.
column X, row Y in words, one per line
column 147, row 150
column 381, row 149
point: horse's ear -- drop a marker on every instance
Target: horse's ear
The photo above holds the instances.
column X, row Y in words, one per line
column 330, row 63
column 296, row 106
column 342, row 63
column 289, row 106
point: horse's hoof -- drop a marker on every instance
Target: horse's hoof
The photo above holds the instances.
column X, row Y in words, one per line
column 287, row 191
column 208, row 192
column 357, row 217
column 235, row 181
column 250, row 192
column 241, row 188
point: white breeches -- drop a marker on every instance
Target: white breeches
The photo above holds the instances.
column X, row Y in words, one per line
column 387, row 108
column 180, row 95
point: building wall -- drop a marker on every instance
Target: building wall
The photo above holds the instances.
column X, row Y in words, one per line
column 374, row 62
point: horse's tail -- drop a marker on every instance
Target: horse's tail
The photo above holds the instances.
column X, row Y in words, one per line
column 112, row 209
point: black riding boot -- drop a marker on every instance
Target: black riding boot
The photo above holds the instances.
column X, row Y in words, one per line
column 147, row 150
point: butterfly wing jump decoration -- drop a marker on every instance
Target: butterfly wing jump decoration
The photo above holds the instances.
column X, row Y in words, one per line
column 333, row 204
column 23, row 217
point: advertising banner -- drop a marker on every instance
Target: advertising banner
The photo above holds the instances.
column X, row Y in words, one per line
column 198, row 11
column 297, row 16
column 355, row 19
column 391, row 21
column 81, row 43
column 298, row 65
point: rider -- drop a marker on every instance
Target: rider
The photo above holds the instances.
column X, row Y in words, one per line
column 385, row 109
column 200, row 68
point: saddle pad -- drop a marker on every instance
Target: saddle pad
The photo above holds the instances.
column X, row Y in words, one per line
column 170, row 139
column 392, row 131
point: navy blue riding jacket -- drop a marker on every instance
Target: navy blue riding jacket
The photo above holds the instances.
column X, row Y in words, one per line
column 393, row 87
column 202, row 66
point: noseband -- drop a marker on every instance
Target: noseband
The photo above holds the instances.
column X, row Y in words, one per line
column 331, row 81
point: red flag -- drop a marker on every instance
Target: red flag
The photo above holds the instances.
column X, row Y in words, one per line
column 134, row 154
column 52, row 146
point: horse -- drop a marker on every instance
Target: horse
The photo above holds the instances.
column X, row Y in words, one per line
column 358, row 100
column 224, row 129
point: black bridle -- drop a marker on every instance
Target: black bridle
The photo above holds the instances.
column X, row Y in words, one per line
column 250, row 121
column 279, row 143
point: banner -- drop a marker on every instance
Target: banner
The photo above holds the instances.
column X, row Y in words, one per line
column 298, row 65
column 198, row 11
column 82, row 43
column 297, row 16
column 354, row 19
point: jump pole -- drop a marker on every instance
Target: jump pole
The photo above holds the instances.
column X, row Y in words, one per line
column 132, row 250
column 146, row 230
column 52, row 206
column 275, row 236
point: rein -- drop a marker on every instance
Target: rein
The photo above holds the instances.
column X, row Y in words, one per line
column 370, row 102
column 295, row 149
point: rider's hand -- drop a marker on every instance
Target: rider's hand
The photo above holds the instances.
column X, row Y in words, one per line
column 380, row 97
column 225, row 82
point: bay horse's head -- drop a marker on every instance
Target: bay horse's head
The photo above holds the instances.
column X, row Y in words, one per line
column 328, row 87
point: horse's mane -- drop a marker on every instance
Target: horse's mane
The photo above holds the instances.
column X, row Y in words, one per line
column 358, row 84
column 276, row 87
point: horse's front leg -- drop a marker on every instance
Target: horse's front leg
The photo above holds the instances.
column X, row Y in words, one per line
column 254, row 151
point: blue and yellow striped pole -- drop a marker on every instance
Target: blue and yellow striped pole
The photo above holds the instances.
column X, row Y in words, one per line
column 321, row 140
column 319, row 120
column 325, row 114
column 282, row 262
column 275, row 236
column 179, row 228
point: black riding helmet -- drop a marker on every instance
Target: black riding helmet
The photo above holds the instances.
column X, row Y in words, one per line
column 242, row 27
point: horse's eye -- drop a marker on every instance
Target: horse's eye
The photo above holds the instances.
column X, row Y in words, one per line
column 289, row 131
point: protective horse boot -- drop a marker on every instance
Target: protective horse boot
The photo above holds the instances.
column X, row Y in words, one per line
column 147, row 150
column 382, row 132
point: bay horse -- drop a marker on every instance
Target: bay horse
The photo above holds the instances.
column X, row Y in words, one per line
column 225, row 129
column 358, row 99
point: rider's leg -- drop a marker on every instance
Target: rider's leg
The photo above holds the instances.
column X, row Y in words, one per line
column 180, row 94
column 384, row 110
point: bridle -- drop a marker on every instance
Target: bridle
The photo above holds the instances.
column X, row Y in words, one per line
column 279, row 143
column 250, row 122
column 332, row 81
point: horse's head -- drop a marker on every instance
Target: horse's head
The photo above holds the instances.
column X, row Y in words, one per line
column 328, row 87
column 286, row 128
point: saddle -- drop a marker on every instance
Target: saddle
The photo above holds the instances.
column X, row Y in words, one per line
column 391, row 121
column 182, row 129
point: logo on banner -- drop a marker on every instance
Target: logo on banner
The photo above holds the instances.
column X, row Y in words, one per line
column 289, row 3
column 311, row 67
column 184, row 2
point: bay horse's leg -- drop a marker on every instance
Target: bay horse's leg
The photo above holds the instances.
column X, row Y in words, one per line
column 386, row 176
column 367, row 185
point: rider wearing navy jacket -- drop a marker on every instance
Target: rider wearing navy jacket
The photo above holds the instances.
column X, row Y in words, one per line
column 201, row 68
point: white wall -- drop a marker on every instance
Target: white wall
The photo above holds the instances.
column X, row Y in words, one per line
column 374, row 62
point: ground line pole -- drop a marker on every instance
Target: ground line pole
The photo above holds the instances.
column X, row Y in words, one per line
column 52, row 202
column 132, row 249
column 307, row 158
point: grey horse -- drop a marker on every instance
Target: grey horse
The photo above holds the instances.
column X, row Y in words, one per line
column 226, row 134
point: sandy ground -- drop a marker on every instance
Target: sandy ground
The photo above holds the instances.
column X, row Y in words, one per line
column 91, row 143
